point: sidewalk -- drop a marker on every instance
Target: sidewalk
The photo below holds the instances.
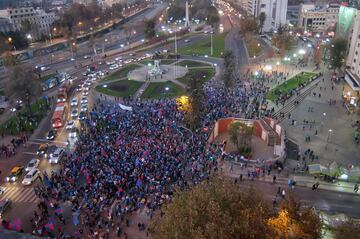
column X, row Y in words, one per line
column 302, row 181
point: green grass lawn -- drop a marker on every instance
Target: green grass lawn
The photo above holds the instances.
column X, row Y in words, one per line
column 204, row 47
column 189, row 63
column 46, row 77
column 121, row 73
column 121, row 88
column 253, row 48
column 2, row 92
column 291, row 84
column 19, row 122
column 162, row 62
column 158, row 90
column 202, row 74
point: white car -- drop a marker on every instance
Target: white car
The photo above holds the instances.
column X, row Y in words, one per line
column 31, row 176
column 84, row 100
column 74, row 113
column 72, row 59
column 85, row 92
column 79, row 89
column 73, row 133
column 114, row 67
column 118, row 58
column 110, row 63
column 86, row 57
column 83, row 108
column 74, row 102
column 56, row 156
column 33, row 164
column 70, row 124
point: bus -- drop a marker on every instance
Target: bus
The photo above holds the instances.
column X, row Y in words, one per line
column 59, row 116
column 63, row 91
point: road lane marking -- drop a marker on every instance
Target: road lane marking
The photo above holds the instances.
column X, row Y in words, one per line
column 29, row 153
column 24, row 195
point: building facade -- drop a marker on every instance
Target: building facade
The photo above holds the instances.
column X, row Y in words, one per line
column 275, row 11
column 40, row 21
column 351, row 90
column 319, row 19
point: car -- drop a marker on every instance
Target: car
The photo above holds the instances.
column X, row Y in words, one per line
column 79, row 89
column 4, row 205
column 74, row 113
column 186, row 40
column 51, row 135
column 72, row 59
column 70, row 124
column 83, row 108
column 51, row 151
column 2, row 190
column 86, row 88
column 74, row 102
column 34, row 163
column 132, row 54
column 82, row 115
column 86, row 57
column 110, row 63
column 31, row 176
column 15, row 174
column 118, row 58
column 56, row 156
column 114, row 67
column 84, row 100
column 73, row 133
column 43, row 148
column 85, row 92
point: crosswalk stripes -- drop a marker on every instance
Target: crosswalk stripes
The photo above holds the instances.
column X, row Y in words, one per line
column 18, row 194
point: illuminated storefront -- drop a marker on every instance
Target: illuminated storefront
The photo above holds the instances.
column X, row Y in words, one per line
column 351, row 91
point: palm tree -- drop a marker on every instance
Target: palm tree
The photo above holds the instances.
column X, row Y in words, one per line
column 240, row 134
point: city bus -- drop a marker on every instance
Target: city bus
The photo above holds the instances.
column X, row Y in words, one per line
column 59, row 116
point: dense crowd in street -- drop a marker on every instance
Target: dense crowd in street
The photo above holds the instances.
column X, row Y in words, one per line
column 130, row 160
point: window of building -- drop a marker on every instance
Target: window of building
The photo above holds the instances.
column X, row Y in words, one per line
column 263, row 5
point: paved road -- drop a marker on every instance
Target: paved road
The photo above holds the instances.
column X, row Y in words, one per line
column 329, row 201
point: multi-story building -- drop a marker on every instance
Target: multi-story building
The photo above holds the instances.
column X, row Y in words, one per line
column 14, row 18
column 319, row 19
column 275, row 11
column 351, row 89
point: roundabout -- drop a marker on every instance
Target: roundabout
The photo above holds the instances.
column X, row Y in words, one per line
column 151, row 79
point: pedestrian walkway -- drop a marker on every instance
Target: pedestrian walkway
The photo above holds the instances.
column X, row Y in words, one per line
column 235, row 171
column 20, row 194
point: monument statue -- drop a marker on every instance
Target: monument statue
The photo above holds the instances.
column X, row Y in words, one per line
column 156, row 70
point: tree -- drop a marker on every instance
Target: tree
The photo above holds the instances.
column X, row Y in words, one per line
column 337, row 52
column 293, row 221
column 262, row 18
column 150, row 29
column 24, row 85
column 283, row 41
column 249, row 25
column 19, row 40
column 4, row 46
column 317, row 55
column 10, row 59
column 229, row 65
column 240, row 134
column 193, row 116
column 215, row 209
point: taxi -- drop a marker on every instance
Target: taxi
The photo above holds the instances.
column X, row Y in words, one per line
column 15, row 174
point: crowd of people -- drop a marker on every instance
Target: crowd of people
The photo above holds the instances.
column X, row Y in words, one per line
column 126, row 160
